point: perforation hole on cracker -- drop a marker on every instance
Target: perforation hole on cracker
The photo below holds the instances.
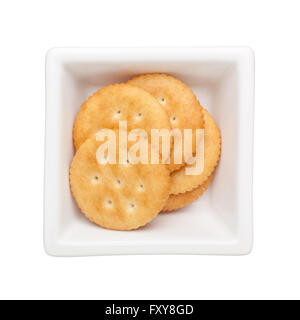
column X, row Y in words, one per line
column 162, row 100
column 118, row 113
column 132, row 206
column 109, row 203
column 141, row 186
column 173, row 119
column 95, row 179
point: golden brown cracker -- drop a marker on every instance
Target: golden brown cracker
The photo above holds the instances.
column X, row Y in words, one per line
column 119, row 102
column 117, row 196
column 180, row 182
column 177, row 201
column 183, row 108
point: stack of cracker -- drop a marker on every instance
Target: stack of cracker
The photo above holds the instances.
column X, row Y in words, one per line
column 126, row 196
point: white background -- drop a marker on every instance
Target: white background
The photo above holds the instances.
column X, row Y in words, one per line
column 271, row 28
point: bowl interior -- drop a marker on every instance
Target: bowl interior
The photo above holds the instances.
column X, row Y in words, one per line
column 211, row 219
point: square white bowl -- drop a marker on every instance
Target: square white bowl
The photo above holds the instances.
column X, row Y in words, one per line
column 220, row 222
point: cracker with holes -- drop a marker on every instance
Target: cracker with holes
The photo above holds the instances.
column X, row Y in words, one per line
column 180, row 182
column 117, row 196
column 177, row 201
column 183, row 108
column 115, row 103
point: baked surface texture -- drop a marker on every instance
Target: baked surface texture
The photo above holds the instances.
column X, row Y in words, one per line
column 117, row 196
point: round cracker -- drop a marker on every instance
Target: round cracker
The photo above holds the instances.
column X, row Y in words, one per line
column 116, row 196
column 119, row 102
column 177, row 201
column 182, row 106
column 180, row 182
